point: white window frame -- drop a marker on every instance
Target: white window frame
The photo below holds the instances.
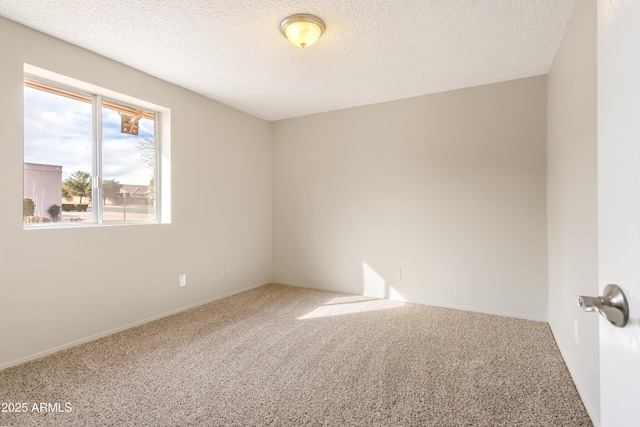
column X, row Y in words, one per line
column 162, row 138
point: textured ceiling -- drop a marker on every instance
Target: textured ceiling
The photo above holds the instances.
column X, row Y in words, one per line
column 372, row 51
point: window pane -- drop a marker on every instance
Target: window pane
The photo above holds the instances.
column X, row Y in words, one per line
column 128, row 164
column 57, row 157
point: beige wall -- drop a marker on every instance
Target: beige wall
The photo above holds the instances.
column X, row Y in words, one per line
column 572, row 200
column 60, row 286
column 448, row 187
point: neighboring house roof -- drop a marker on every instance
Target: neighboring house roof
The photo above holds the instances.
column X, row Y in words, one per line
column 136, row 190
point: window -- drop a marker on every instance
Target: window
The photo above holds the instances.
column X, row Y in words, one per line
column 88, row 158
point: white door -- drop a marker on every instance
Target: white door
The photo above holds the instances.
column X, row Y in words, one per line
column 619, row 204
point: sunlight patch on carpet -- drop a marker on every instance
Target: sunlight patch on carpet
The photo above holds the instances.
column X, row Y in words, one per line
column 351, row 305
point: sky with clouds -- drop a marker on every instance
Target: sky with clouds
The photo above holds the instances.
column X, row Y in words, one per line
column 57, row 131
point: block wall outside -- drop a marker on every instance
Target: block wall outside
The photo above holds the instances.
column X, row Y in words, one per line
column 43, row 185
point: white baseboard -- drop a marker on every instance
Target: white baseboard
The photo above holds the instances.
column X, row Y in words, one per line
column 587, row 404
column 314, row 287
column 485, row 311
column 123, row 328
column 426, row 302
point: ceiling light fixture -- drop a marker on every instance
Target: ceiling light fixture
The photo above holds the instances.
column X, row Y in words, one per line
column 302, row 29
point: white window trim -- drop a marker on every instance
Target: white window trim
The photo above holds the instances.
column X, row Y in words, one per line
column 163, row 149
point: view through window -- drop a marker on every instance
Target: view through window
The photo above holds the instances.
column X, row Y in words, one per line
column 87, row 159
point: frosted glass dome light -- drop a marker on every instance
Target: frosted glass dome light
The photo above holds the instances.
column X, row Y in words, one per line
column 302, row 30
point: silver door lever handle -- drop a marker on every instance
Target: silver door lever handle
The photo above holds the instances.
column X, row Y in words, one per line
column 612, row 305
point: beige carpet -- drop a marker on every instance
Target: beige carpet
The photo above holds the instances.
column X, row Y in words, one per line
column 286, row 356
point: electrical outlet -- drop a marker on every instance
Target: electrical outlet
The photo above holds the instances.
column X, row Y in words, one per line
column 227, row 270
column 397, row 273
column 182, row 280
column 576, row 331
